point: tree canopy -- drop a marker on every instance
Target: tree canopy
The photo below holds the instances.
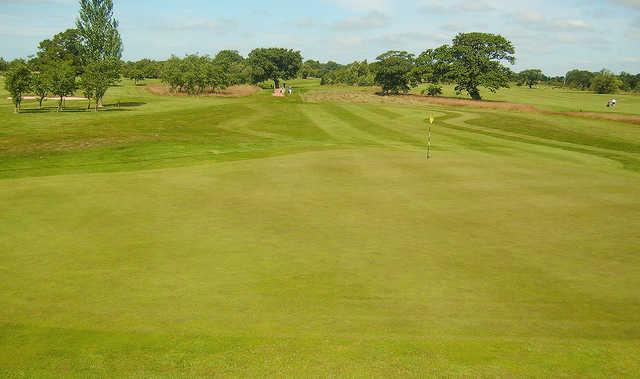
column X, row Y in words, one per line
column 530, row 77
column 63, row 47
column 605, row 82
column 579, row 79
column 98, row 31
column 195, row 74
column 63, row 81
column 393, row 71
column 41, row 85
column 274, row 64
column 98, row 77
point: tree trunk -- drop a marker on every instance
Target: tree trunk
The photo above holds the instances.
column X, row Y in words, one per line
column 276, row 83
column 475, row 94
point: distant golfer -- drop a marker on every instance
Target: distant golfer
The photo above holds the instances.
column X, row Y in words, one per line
column 612, row 103
column 290, row 90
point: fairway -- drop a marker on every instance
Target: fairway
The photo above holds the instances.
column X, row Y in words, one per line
column 293, row 237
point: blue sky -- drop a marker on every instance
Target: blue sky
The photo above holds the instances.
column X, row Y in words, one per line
column 555, row 35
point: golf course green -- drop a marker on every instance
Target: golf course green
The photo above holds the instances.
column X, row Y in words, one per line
column 309, row 236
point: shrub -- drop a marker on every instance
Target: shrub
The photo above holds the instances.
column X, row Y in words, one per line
column 433, row 90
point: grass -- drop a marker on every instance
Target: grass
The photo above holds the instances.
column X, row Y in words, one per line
column 274, row 237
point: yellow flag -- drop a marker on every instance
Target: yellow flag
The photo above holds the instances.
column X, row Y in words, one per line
column 431, row 119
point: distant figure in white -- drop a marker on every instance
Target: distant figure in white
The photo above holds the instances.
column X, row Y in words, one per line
column 612, row 103
column 290, row 90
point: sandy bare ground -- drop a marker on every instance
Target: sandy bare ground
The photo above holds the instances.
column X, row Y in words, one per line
column 370, row 97
column 233, row 91
column 69, row 98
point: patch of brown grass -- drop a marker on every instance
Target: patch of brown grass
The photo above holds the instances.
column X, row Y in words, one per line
column 233, row 91
column 372, row 97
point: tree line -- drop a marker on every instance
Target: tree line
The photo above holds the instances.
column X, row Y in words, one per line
column 85, row 58
column 602, row 82
column 362, row 73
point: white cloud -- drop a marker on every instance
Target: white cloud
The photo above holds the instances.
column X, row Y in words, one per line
column 571, row 24
column 371, row 20
column 529, row 16
column 628, row 3
column 363, row 5
column 468, row 6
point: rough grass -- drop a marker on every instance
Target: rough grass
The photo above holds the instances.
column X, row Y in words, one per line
column 274, row 237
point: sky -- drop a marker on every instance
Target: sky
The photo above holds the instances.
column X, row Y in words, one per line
column 553, row 35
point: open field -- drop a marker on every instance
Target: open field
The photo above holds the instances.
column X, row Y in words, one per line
column 302, row 236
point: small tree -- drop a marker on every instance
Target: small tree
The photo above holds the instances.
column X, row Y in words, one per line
column 87, row 90
column 311, row 69
column 136, row 75
column 530, row 77
column 4, row 65
column 274, row 64
column 98, row 77
column 17, row 82
column 172, row 73
column 433, row 90
column 40, row 86
column 393, row 71
column 63, row 81
column 605, row 82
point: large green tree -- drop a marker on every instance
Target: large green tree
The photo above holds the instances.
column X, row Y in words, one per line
column 579, row 79
column 472, row 61
column 17, row 82
column 232, row 65
column 393, row 71
column 274, row 64
column 101, row 45
column 530, row 77
column 605, row 82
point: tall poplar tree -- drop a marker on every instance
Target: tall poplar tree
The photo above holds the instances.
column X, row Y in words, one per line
column 100, row 40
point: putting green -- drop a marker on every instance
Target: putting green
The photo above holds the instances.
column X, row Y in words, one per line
column 337, row 250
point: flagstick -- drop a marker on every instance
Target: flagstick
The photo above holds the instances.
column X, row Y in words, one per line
column 429, row 144
column 430, row 120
